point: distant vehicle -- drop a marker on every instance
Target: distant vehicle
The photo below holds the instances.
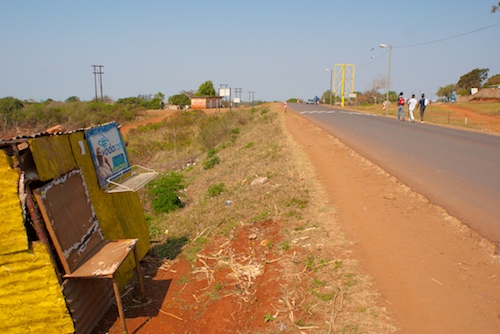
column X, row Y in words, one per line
column 310, row 101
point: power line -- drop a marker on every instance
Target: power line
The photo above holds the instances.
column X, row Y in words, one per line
column 430, row 42
column 374, row 59
column 447, row 38
column 43, row 69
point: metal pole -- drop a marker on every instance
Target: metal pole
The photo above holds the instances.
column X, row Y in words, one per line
column 388, row 80
column 100, row 80
column 343, row 85
column 331, row 85
column 95, row 81
column 331, row 82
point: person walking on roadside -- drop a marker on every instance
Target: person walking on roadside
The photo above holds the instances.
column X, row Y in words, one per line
column 412, row 103
column 284, row 105
column 401, row 107
column 423, row 102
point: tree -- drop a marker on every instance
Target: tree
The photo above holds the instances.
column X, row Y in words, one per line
column 160, row 96
column 377, row 84
column 373, row 93
column 472, row 79
column 446, row 91
column 179, row 100
column 134, row 101
column 73, row 99
column 493, row 81
column 9, row 106
column 206, row 89
column 495, row 8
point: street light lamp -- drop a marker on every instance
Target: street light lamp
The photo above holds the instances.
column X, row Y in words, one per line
column 331, row 83
column 383, row 46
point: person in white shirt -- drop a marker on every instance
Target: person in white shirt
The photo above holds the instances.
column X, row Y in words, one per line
column 412, row 104
column 104, row 170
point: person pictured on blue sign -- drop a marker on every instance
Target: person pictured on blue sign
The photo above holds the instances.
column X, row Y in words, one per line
column 104, row 170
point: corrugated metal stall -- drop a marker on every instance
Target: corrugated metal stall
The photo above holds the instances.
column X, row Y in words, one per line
column 31, row 293
column 206, row 102
column 31, row 300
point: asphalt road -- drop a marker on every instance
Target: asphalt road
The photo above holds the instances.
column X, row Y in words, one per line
column 455, row 169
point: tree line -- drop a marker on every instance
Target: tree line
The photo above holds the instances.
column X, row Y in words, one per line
column 33, row 117
column 477, row 78
column 473, row 79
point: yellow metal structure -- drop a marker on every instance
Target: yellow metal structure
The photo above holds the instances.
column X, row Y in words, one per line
column 31, row 299
column 343, row 78
column 13, row 236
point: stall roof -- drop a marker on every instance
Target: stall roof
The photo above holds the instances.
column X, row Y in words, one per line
column 25, row 138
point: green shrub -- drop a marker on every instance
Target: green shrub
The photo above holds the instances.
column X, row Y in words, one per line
column 211, row 162
column 216, row 189
column 165, row 192
column 211, row 152
column 249, row 145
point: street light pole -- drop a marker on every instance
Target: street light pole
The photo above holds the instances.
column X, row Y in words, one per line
column 331, row 83
column 388, row 75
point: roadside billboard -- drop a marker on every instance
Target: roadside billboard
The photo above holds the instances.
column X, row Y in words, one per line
column 107, row 150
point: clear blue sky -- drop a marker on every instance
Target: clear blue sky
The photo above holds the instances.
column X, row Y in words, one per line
column 277, row 48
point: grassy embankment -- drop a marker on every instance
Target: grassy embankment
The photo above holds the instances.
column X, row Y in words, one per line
column 208, row 160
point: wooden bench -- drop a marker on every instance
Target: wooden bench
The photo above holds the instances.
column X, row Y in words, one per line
column 77, row 237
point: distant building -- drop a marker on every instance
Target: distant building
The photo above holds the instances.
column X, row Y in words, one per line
column 206, row 102
column 484, row 94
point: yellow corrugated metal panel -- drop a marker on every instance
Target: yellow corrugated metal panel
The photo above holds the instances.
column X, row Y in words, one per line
column 120, row 215
column 31, row 300
column 52, row 155
column 13, row 237
column 130, row 215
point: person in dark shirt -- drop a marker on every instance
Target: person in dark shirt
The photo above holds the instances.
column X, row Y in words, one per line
column 423, row 102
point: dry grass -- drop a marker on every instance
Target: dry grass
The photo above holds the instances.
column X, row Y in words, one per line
column 323, row 290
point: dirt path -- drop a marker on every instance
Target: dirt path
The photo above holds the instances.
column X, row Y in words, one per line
column 432, row 273
column 155, row 116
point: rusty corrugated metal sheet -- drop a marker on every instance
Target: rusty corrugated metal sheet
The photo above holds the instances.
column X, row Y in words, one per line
column 25, row 138
column 88, row 301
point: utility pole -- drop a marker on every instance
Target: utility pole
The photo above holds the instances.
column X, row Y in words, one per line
column 98, row 70
column 251, row 97
column 224, row 91
column 331, row 83
column 237, row 96
column 383, row 46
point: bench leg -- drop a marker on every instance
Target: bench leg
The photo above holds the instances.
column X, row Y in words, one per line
column 119, row 305
column 139, row 273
